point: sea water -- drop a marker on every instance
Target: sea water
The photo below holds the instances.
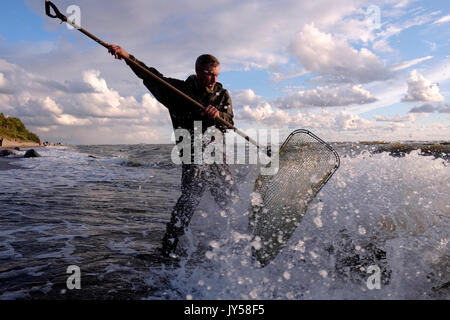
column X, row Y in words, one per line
column 379, row 229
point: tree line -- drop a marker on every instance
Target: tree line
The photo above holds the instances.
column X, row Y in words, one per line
column 13, row 128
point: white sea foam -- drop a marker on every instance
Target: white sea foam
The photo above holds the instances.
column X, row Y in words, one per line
column 376, row 210
column 380, row 209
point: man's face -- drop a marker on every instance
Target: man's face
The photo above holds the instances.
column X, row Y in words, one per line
column 207, row 75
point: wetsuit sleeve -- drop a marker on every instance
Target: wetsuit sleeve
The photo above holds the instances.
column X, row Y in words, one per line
column 159, row 91
column 141, row 74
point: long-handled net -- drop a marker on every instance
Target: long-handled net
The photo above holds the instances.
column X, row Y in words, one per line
column 280, row 201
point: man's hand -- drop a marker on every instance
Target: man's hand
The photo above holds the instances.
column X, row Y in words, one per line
column 211, row 112
column 117, row 51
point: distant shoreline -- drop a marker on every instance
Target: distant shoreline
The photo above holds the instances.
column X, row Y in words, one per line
column 8, row 144
column 8, row 163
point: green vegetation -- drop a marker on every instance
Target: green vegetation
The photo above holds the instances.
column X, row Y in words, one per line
column 405, row 148
column 373, row 142
column 400, row 149
column 14, row 129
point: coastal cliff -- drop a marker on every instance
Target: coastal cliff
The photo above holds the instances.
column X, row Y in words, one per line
column 13, row 133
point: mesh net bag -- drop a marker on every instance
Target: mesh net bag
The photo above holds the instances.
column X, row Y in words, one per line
column 280, row 201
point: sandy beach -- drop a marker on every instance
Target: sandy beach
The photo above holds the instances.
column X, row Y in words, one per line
column 12, row 144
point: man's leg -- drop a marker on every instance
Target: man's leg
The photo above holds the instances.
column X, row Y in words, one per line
column 223, row 186
column 192, row 189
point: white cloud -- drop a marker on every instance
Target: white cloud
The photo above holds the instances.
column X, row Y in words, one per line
column 321, row 53
column 381, row 43
column 324, row 119
column 17, row 80
column 326, row 97
column 421, row 89
column 258, row 113
column 104, row 102
column 425, row 108
column 382, row 46
column 265, row 114
column 353, row 29
column 443, row 19
column 152, row 106
column 107, row 103
column 431, row 108
column 403, row 3
column 278, row 76
column 91, row 77
column 2, row 80
column 69, row 120
column 51, row 106
column 4, row 87
column 244, row 35
column 408, row 118
column 169, row 33
column 349, row 121
column 409, row 63
column 244, row 97
column 99, row 107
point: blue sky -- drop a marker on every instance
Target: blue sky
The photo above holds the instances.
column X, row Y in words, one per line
column 288, row 64
column 19, row 23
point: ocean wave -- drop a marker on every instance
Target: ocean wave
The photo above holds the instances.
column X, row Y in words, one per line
column 102, row 212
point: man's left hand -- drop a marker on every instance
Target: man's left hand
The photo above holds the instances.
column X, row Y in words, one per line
column 211, row 112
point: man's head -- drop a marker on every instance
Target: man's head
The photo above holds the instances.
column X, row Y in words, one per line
column 207, row 68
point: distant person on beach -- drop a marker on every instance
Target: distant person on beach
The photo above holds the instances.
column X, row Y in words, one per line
column 218, row 178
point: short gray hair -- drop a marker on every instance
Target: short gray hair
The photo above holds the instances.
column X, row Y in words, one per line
column 206, row 59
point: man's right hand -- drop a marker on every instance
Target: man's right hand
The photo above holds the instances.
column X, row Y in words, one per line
column 117, row 51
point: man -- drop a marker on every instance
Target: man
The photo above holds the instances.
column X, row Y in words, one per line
column 204, row 88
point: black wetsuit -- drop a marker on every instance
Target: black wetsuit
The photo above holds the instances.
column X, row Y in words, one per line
column 196, row 178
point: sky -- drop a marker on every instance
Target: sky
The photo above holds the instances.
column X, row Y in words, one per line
column 348, row 70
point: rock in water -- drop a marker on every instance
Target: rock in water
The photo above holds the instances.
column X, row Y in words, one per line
column 5, row 153
column 31, row 154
